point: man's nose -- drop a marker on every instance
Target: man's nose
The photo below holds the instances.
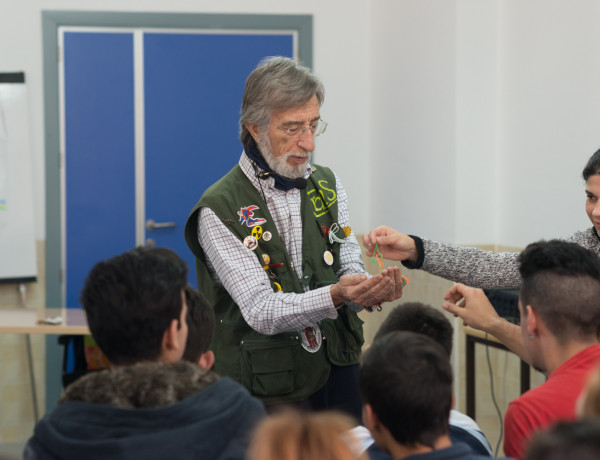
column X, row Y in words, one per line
column 307, row 140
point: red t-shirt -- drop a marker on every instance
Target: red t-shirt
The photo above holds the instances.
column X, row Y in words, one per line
column 552, row 401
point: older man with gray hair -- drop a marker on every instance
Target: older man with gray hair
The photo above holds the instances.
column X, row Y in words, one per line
column 276, row 256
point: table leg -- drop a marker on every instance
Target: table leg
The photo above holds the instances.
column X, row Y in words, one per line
column 525, row 377
column 470, row 370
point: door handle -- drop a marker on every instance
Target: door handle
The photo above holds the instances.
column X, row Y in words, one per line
column 152, row 225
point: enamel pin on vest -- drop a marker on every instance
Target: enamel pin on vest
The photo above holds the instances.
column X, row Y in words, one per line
column 250, row 242
column 311, row 338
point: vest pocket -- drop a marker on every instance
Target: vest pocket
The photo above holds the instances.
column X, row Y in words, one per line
column 344, row 337
column 268, row 365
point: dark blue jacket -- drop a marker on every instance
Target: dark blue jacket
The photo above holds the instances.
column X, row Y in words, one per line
column 212, row 424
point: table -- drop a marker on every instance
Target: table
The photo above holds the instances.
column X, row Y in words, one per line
column 474, row 336
column 31, row 321
column 28, row 321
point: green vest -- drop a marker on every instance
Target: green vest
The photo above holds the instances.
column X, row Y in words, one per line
column 277, row 368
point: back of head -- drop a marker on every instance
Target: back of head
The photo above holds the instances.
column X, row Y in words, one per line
column 201, row 325
column 579, row 440
column 561, row 281
column 592, row 167
column 131, row 299
column 277, row 84
column 407, row 380
column 292, row 435
column 420, row 318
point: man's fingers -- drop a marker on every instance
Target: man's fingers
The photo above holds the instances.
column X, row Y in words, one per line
column 373, row 290
column 454, row 309
column 353, row 279
column 455, row 293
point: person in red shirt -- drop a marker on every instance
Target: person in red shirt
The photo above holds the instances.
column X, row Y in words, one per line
column 559, row 303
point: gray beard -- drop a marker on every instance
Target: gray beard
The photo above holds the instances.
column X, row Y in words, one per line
column 279, row 164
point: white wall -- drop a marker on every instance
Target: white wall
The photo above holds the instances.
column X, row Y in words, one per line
column 477, row 116
column 484, row 114
column 340, row 50
column 413, row 144
column 550, row 115
column 459, row 120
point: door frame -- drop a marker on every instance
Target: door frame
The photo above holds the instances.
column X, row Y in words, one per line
column 51, row 21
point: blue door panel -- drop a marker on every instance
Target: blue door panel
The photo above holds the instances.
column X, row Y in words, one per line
column 99, row 136
column 193, row 91
column 193, row 85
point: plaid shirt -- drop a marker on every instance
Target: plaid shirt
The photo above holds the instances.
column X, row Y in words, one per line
column 238, row 269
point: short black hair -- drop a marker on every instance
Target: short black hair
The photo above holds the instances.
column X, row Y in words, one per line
column 561, row 280
column 592, row 167
column 131, row 299
column 201, row 325
column 420, row 318
column 574, row 439
column 407, row 380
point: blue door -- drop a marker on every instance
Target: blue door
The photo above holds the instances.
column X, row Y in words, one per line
column 138, row 159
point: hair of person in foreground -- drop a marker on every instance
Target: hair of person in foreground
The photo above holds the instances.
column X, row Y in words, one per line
column 201, row 329
column 132, row 299
column 576, row 440
column 294, row 435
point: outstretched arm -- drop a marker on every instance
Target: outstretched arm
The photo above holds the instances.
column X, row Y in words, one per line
column 474, row 308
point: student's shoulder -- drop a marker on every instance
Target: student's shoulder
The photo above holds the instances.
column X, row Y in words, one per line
column 235, row 393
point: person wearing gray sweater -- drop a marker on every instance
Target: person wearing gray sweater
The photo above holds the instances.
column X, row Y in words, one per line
column 479, row 268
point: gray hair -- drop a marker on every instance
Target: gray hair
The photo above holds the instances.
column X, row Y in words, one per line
column 278, row 83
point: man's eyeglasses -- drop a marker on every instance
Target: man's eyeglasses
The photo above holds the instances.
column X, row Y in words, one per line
column 296, row 131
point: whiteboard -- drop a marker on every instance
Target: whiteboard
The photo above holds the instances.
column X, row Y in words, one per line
column 17, row 231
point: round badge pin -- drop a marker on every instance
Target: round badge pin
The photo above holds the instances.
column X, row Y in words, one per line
column 328, row 257
column 266, row 259
column 250, row 242
column 311, row 338
column 277, row 286
column 267, row 236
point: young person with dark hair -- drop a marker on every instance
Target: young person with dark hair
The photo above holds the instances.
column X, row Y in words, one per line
column 579, row 440
column 406, row 386
column 201, row 327
column 421, row 318
column 150, row 404
column 480, row 268
column 560, row 320
column 424, row 319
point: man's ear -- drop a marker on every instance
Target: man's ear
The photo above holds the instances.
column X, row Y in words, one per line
column 532, row 321
column 253, row 129
column 172, row 349
column 207, row 360
column 453, row 402
column 370, row 417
